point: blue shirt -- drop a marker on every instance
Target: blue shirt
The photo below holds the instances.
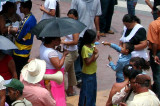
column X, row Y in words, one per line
column 24, row 47
column 122, row 61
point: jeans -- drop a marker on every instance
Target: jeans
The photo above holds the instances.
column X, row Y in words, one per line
column 78, row 63
column 131, row 7
column 107, row 7
column 88, row 91
column 156, row 74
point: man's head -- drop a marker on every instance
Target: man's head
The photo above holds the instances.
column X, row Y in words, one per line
column 26, row 6
column 15, row 89
column 142, row 83
column 158, row 10
column 127, row 48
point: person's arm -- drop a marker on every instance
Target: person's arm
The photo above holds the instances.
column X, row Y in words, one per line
column 12, row 68
column 112, row 92
column 58, row 63
column 93, row 58
column 149, row 4
column 96, row 21
column 74, row 42
column 141, row 45
column 154, row 50
column 114, row 46
column 116, row 67
column 2, row 97
column 50, row 12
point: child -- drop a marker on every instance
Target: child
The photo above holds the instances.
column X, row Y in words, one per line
column 123, row 60
column 89, row 83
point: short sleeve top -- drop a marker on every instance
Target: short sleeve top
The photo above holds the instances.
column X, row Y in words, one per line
column 139, row 36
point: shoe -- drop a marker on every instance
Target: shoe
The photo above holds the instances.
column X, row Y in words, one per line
column 110, row 32
column 103, row 34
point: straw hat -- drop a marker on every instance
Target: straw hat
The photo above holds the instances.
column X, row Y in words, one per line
column 34, row 71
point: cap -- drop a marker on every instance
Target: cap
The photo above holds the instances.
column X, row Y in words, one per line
column 142, row 79
column 15, row 84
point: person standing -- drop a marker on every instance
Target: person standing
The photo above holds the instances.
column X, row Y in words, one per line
column 106, row 17
column 153, row 7
column 88, row 13
column 89, row 54
column 50, row 9
column 153, row 37
column 24, row 39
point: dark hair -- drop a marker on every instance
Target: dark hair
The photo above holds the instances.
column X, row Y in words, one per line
column 88, row 37
column 48, row 40
column 129, row 46
column 27, row 4
column 74, row 12
column 6, row 7
column 134, row 73
column 126, row 70
column 140, row 63
column 131, row 18
column 57, row 9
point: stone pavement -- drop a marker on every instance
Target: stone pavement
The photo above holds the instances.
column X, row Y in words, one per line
column 105, row 76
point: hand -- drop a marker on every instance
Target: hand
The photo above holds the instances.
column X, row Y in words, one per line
column 123, row 104
column 127, row 88
column 156, row 59
column 62, row 41
column 109, row 58
column 42, row 8
column 106, row 43
column 65, row 53
column 95, row 50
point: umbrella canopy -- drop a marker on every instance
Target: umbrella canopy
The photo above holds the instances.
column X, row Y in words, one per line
column 6, row 44
column 15, row 0
column 57, row 27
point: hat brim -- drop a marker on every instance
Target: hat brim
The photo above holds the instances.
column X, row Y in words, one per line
column 27, row 77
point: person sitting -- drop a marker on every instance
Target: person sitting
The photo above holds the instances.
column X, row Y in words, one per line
column 15, row 91
column 123, row 60
column 143, row 96
column 31, row 75
column 118, row 86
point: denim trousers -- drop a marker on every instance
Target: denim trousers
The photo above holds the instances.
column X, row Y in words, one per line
column 78, row 62
column 107, row 7
column 131, row 7
column 88, row 91
column 156, row 74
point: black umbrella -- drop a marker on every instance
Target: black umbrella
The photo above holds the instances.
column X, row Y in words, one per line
column 57, row 27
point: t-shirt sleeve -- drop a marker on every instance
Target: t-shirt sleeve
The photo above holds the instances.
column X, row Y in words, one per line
column 52, row 54
column 139, row 36
column 52, row 4
column 84, row 52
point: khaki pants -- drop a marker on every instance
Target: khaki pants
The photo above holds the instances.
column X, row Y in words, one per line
column 69, row 67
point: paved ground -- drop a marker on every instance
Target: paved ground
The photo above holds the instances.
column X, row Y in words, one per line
column 105, row 76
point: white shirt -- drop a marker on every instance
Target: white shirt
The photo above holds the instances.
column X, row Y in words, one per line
column 87, row 10
column 48, row 5
column 47, row 53
column 69, row 38
column 2, row 82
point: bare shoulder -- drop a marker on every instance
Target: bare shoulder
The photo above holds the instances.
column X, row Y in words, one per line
column 118, row 86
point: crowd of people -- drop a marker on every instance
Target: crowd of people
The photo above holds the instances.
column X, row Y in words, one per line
column 22, row 80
